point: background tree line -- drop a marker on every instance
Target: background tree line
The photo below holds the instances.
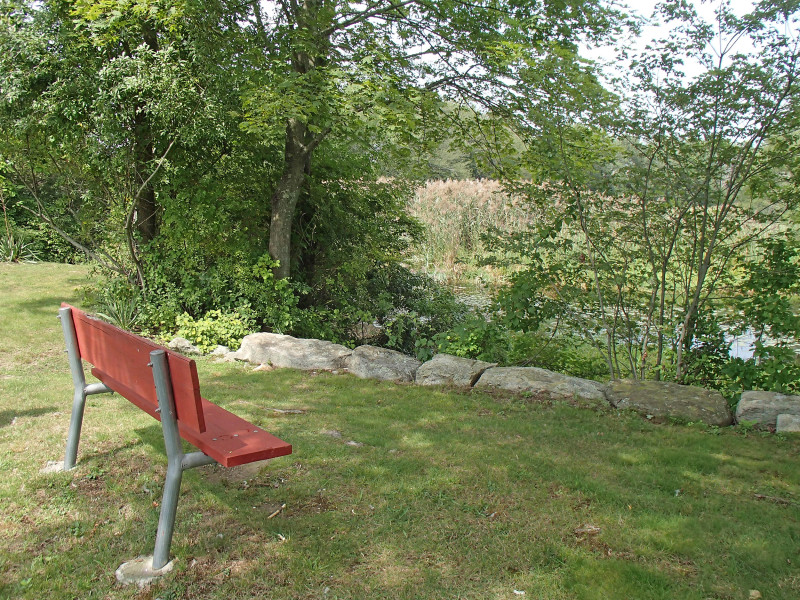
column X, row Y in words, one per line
column 234, row 157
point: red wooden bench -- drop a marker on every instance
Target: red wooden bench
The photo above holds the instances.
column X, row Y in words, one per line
column 165, row 385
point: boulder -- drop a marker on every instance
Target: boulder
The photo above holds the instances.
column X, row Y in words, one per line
column 445, row 369
column 787, row 424
column 223, row 354
column 285, row 351
column 183, row 346
column 371, row 362
column 541, row 382
column 764, row 407
column 662, row 400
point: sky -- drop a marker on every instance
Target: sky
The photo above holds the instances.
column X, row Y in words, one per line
column 644, row 8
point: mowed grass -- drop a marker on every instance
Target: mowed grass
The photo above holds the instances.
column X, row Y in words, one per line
column 392, row 491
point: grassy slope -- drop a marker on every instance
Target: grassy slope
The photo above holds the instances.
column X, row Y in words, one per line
column 451, row 495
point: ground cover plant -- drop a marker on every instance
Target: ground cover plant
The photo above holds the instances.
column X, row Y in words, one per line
column 392, row 491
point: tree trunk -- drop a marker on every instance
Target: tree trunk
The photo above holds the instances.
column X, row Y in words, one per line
column 300, row 141
column 297, row 161
column 147, row 215
column 147, row 210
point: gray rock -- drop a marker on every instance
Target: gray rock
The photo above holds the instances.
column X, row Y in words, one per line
column 183, row 346
column 764, row 407
column 541, row 382
column 229, row 357
column 445, row 369
column 220, row 351
column 787, row 424
column 371, row 362
column 663, row 400
column 285, row 351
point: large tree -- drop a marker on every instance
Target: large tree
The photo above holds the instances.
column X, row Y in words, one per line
column 332, row 66
column 115, row 93
column 110, row 111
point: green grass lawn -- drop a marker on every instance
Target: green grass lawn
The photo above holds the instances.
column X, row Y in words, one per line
column 422, row 494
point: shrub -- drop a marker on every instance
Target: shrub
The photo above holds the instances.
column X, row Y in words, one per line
column 50, row 246
column 274, row 302
column 561, row 353
column 15, row 248
column 195, row 285
column 120, row 311
column 476, row 338
column 116, row 301
column 410, row 333
column 419, row 310
column 216, row 328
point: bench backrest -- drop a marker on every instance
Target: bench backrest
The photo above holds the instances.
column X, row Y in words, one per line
column 121, row 361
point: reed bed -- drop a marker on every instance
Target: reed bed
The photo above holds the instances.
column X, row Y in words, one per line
column 458, row 215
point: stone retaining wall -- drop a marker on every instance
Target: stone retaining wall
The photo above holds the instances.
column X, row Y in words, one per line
column 656, row 400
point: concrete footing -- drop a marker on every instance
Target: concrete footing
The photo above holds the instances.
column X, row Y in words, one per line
column 53, row 466
column 140, row 571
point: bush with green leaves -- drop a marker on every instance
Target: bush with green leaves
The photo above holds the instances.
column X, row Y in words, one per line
column 216, row 328
column 50, row 246
column 410, row 333
column 764, row 307
column 561, row 352
column 122, row 311
column 476, row 338
column 772, row 368
column 195, row 284
column 274, row 302
column 114, row 300
column 708, row 361
column 420, row 309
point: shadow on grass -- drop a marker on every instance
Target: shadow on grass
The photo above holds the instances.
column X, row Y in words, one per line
column 42, row 303
column 369, row 522
column 439, row 484
column 7, row 416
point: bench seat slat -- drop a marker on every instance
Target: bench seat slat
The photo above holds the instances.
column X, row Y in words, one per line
column 228, row 439
column 237, row 441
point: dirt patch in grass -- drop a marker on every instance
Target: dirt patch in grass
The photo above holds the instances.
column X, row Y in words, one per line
column 315, row 505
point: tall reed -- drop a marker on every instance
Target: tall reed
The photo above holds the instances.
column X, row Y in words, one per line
column 457, row 215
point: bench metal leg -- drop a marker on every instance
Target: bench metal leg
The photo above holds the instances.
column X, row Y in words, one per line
column 177, row 461
column 166, row 519
column 81, row 390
